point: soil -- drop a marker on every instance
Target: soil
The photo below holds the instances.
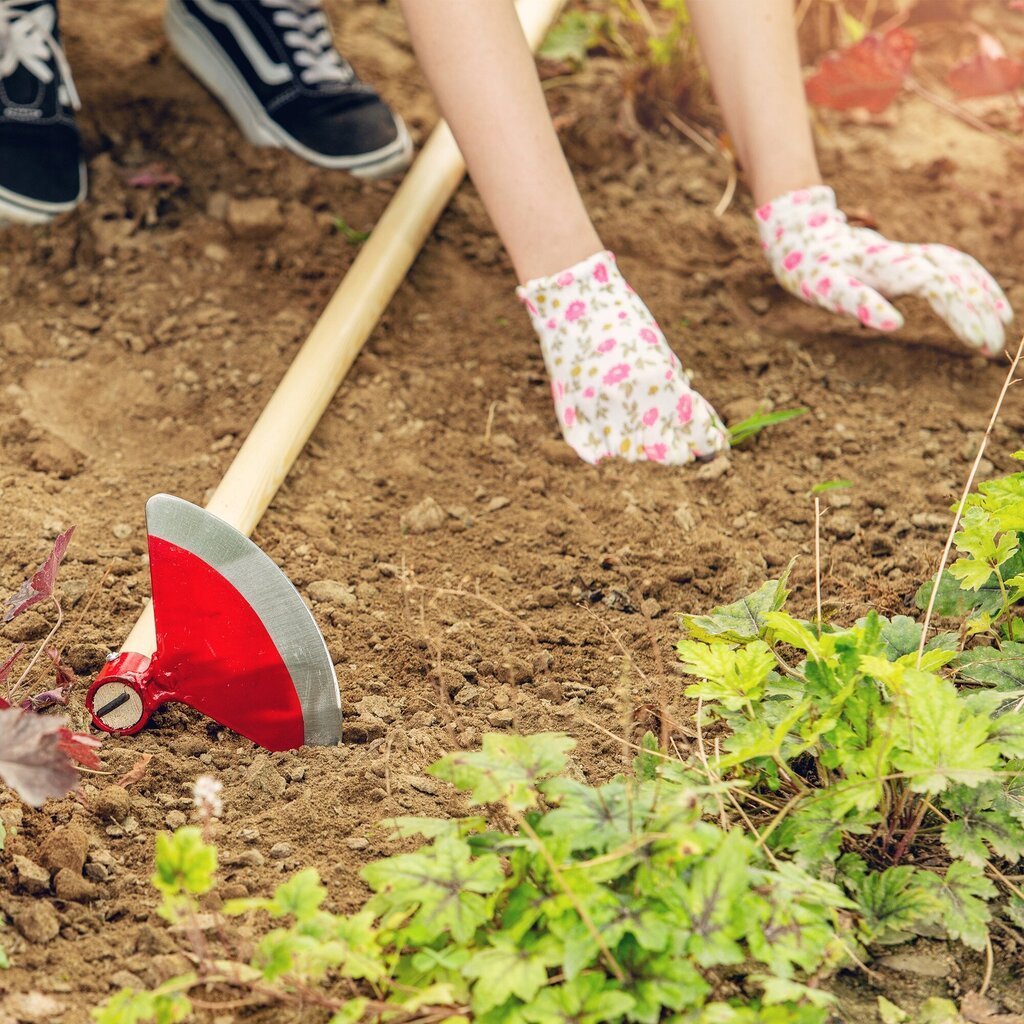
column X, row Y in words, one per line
column 140, row 337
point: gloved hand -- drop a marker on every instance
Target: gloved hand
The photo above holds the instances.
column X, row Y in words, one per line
column 818, row 257
column 619, row 389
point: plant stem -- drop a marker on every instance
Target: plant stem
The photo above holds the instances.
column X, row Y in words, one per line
column 39, row 650
column 606, row 953
column 908, row 836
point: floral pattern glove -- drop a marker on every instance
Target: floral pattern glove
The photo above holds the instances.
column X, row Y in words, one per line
column 818, row 257
column 619, row 389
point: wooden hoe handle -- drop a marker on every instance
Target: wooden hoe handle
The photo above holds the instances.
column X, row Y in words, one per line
column 326, row 356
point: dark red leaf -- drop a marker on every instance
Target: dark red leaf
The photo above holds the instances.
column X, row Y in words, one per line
column 33, row 761
column 80, row 747
column 5, row 668
column 40, row 587
column 990, row 72
column 869, row 74
column 66, row 677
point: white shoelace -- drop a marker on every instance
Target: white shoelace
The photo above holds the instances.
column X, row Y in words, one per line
column 310, row 39
column 27, row 39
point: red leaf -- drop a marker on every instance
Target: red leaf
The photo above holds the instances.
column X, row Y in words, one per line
column 988, row 73
column 32, row 759
column 65, row 673
column 136, row 772
column 154, row 176
column 79, row 746
column 42, row 583
column 47, row 700
column 869, row 74
column 5, row 668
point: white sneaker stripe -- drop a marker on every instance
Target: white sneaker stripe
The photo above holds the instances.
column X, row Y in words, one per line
column 271, row 72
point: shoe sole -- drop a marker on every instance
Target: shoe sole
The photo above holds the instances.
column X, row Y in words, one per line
column 201, row 54
column 18, row 209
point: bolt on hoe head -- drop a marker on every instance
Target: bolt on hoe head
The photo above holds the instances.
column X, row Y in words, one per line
column 234, row 640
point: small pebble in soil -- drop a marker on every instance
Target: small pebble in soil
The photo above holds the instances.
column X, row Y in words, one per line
column 71, row 886
column 424, row 517
column 112, row 803
column 175, row 819
column 280, row 851
column 32, row 1007
column 122, row 531
column 501, row 719
column 37, row 923
column 31, row 877
column 547, row 597
column 332, row 592
column 65, row 848
column 357, row 843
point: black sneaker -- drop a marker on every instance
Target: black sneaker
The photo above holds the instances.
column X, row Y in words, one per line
column 273, row 65
column 41, row 168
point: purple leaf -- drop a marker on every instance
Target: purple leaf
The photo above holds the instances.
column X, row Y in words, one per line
column 47, row 700
column 40, row 587
column 32, row 761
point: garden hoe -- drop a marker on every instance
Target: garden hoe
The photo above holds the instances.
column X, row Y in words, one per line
column 226, row 633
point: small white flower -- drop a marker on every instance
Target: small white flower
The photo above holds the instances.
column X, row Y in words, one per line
column 206, row 795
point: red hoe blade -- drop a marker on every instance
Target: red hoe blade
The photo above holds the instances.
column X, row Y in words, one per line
column 233, row 640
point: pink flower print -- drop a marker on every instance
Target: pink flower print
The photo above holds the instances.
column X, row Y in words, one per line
column 779, row 232
column 864, row 314
column 823, row 286
column 601, row 273
column 816, row 220
column 552, row 324
column 530, row 306
column 656, row 452
column 650, row 417
column 576, row 310
column 569, row 416
column 607, row 345
column 630, row 289
column 764, row 212
column 669, row 374
column 589, row 393
column 1000, row 305
column 684, row 408
column 793, row 260
column 564, row 279
column 856, row 283
column 557, row 390
column 955, row 278
column 648, row 335
column 617, row 374
column 888, row 325
column 872, row 249
column 801, row 196
column 805, row 290
column 622, row 315
column 824, row 258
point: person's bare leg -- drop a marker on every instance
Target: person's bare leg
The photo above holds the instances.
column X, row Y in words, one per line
column 750, row 49
column 482, row 72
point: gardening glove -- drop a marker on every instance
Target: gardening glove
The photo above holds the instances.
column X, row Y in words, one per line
column 818, row 257
column 619, row 390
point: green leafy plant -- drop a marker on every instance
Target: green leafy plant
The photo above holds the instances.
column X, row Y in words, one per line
column 859, row 746
column 604, row 904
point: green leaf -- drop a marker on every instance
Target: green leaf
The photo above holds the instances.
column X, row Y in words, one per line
column 743, row 620
column 954, row 602
column 508, row 768
column 506, row 969
column 443, row 885
column 964, row 894
column 587, row 999
column 831, row 485
column 894, row 902
column 732, row 677
column 746, row 429
column 352, row 1012
column 184, row 863
column 981, row 816
column 901, row 636
column 935, row 1010
column 1001, row 667
column 890, row 1013
column 939, row 740
column 572, row 36
column 408, row 827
